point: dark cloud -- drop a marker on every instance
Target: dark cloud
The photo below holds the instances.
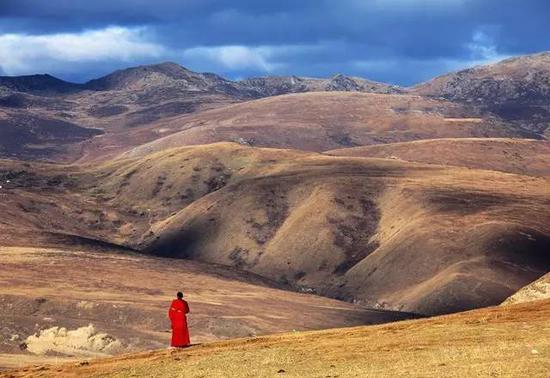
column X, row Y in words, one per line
column 401, row 41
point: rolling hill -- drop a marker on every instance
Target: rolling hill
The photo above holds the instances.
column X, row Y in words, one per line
column 124, row 104
column 278, row 204
column 390, row 234
column 119, row 104
column 521, row 156
column 320, row 121
column 141, row 104
column 387, row 234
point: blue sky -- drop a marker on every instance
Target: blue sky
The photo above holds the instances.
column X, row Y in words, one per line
column 397, row 41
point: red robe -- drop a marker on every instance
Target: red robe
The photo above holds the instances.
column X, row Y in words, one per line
column 180, row 333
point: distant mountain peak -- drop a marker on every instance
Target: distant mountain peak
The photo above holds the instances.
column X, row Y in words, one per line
column 38, row 83
column 168, row 68
column 516, row 89
column 161, row 74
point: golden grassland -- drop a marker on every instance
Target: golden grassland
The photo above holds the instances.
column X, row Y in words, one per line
column 506, row 341
column 320, row 121
column 392, row 234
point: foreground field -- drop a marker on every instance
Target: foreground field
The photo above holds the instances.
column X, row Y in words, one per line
column 125, row 296
column 500, row 341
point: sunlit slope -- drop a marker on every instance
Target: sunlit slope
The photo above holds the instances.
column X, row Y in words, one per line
column 503, row 341
column 385, row 233
column 540, row 289
column 521, row 156
column 320, row 121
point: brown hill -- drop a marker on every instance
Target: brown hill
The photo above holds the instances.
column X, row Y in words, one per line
column 37, row 84
column 521, row 156
column 500, row 341
column 326, row 120
column 119, row 105
column 168, row 74
column 385, row 233
column 516, row 89
column 389, row 234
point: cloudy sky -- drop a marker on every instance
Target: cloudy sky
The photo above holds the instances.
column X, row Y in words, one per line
column 397, row 41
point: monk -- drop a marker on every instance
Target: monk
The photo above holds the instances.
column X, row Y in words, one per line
column 180, row 334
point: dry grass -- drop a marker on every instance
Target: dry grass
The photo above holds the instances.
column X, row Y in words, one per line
column 320, row 121
column 521, row 156
column 391, row 234
column 507, row 341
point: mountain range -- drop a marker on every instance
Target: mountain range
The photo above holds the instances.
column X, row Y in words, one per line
column 124, row 105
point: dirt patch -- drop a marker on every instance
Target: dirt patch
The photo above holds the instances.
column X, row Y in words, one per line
column 29, row 180
column 158, row 185
column 216, row 183
column 81, row 341
column 239, row 256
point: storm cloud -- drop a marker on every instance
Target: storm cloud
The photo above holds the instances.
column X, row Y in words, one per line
column 397, row 41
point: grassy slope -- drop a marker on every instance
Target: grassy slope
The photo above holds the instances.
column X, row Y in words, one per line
column 400, row 235
column 387, row 232
column 320, row 121
column 521, row 156
column 500, row 341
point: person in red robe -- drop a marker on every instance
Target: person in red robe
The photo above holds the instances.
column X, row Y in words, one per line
column 177, row 314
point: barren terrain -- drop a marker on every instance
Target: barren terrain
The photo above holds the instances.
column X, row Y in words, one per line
column 120, row 108
column 130, row 107
column 540, row 289
column 277, row 204
column 516, row 89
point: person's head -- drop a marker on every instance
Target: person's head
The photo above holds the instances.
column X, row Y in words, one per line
column 180, row 295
